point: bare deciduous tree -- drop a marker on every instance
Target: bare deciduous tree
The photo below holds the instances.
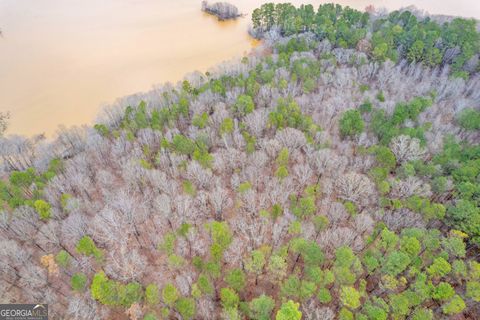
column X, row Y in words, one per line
column 220, row 200
column 410, row 186
column 311, row 310
column 355, row 187
column 125, row 264
column 406, row 148
column 291, row 138
column 403, row 218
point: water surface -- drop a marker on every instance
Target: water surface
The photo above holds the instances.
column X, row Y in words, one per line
column 61, row 60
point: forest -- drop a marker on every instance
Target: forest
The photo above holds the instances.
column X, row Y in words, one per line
column 331, row 173
column 395, row 36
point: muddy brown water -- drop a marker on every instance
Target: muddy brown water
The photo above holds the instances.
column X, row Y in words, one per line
column 60, row 61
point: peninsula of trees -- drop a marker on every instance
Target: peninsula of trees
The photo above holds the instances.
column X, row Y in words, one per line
column 400, row 35
column 333, row 173
column 222, row 10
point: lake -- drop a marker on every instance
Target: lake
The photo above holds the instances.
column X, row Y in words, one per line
column 60, row 61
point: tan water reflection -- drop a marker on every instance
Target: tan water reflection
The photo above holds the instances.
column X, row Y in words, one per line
column 60, row 60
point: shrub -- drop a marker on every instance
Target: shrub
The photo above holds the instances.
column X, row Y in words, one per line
column 291, row 286
column 226, row 126
column 87, row 247
column 103, row 290
column 236, row 279
column 175, row 261
column 244, row 187
column 151, row 294
column 289, row 311
column 183, row 145
column 281, row 173
column 375, row 312
column 473, row 290
column 351, row 123
column 170, row 294
column 101, row 129
column 261, row 307
column 229, row 298
column 350, row 297
column 204, row 285
column 303, row 207
column 345, row 314
column 186, row 307
column 113, row 293
column 189, row 188
column 439, row 268
column 64, row 200
column 410, row 246
column 43, row 209
column 324, row 295
column 200, row 120
column 168, row 243
column 307, row 290
column 396, row 263
column 221, row 236
column 400, row 304
column 277, row 267
column 312, row 254
column 443, row 291
column 464, row 216
column 422, row 314
column 469, row 119
column 380, row 96
column 277, row 211
column 150, row 316
column 244, row 105
column 62, row 258
column 289, row 114
column 365, row 107
column 78, row 282
column 282, row 158
column 454, row 306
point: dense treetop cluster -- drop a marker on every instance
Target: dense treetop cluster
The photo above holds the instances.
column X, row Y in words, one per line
column 310, row 180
